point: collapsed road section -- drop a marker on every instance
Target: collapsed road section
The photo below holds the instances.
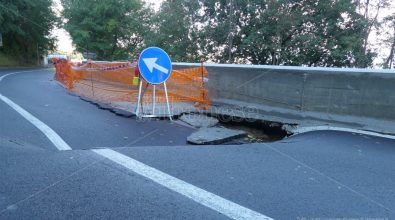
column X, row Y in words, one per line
column 267, row 103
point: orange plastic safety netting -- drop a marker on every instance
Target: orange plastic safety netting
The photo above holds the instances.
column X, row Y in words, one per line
column 110, row 82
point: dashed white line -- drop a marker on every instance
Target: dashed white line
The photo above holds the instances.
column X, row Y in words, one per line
column 59, row 143
column 192, row 192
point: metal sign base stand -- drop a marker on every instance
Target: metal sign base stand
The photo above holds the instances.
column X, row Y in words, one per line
column 139, row 104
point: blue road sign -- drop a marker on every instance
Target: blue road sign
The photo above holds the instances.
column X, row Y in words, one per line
column 154, row 65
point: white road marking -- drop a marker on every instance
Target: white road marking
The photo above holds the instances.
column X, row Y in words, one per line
column 59, row 143
column 192, row 192
column 8, row 74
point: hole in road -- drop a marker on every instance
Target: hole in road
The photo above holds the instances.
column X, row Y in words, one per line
column 258, row 131
column 217, row 129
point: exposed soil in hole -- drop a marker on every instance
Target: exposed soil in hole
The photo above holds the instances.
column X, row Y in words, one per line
column 258, row 131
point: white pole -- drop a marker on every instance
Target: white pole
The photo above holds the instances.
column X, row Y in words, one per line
column 167, row 100
column 139, row 99
column 153, row 99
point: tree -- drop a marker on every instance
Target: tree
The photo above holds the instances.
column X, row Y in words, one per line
column 370, row 9
column 389, row 62
column 174, row 30
column 277, row 32
column 26, row 26
column 304, row 32
column 110, row 28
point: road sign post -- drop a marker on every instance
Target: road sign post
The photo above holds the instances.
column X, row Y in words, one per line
column 155, row 68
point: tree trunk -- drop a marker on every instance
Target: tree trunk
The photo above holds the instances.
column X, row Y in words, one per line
column 366, row 14
column 231, row 30
column 114, row 47
column 371, row 23
column 388, row 63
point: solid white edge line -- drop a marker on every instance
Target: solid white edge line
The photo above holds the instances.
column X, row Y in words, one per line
column 331, row 128
column 59, row 143
column 8, row 74
column 190, row 191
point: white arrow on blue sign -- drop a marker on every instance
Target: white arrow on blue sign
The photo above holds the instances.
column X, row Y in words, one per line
column 154, row 65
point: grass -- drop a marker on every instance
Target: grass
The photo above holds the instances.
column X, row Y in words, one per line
column 9, row 61
column 6, row 61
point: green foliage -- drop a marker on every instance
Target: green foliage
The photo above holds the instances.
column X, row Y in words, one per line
column 174, row 30
column 26, row 26
column 277, row 32
column 110, row 28
column 7, row 60
column 283, row 32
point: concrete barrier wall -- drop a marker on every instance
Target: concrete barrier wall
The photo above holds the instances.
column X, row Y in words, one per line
column 351, row 92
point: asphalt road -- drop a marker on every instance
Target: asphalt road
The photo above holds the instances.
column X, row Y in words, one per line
column 317, row 175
